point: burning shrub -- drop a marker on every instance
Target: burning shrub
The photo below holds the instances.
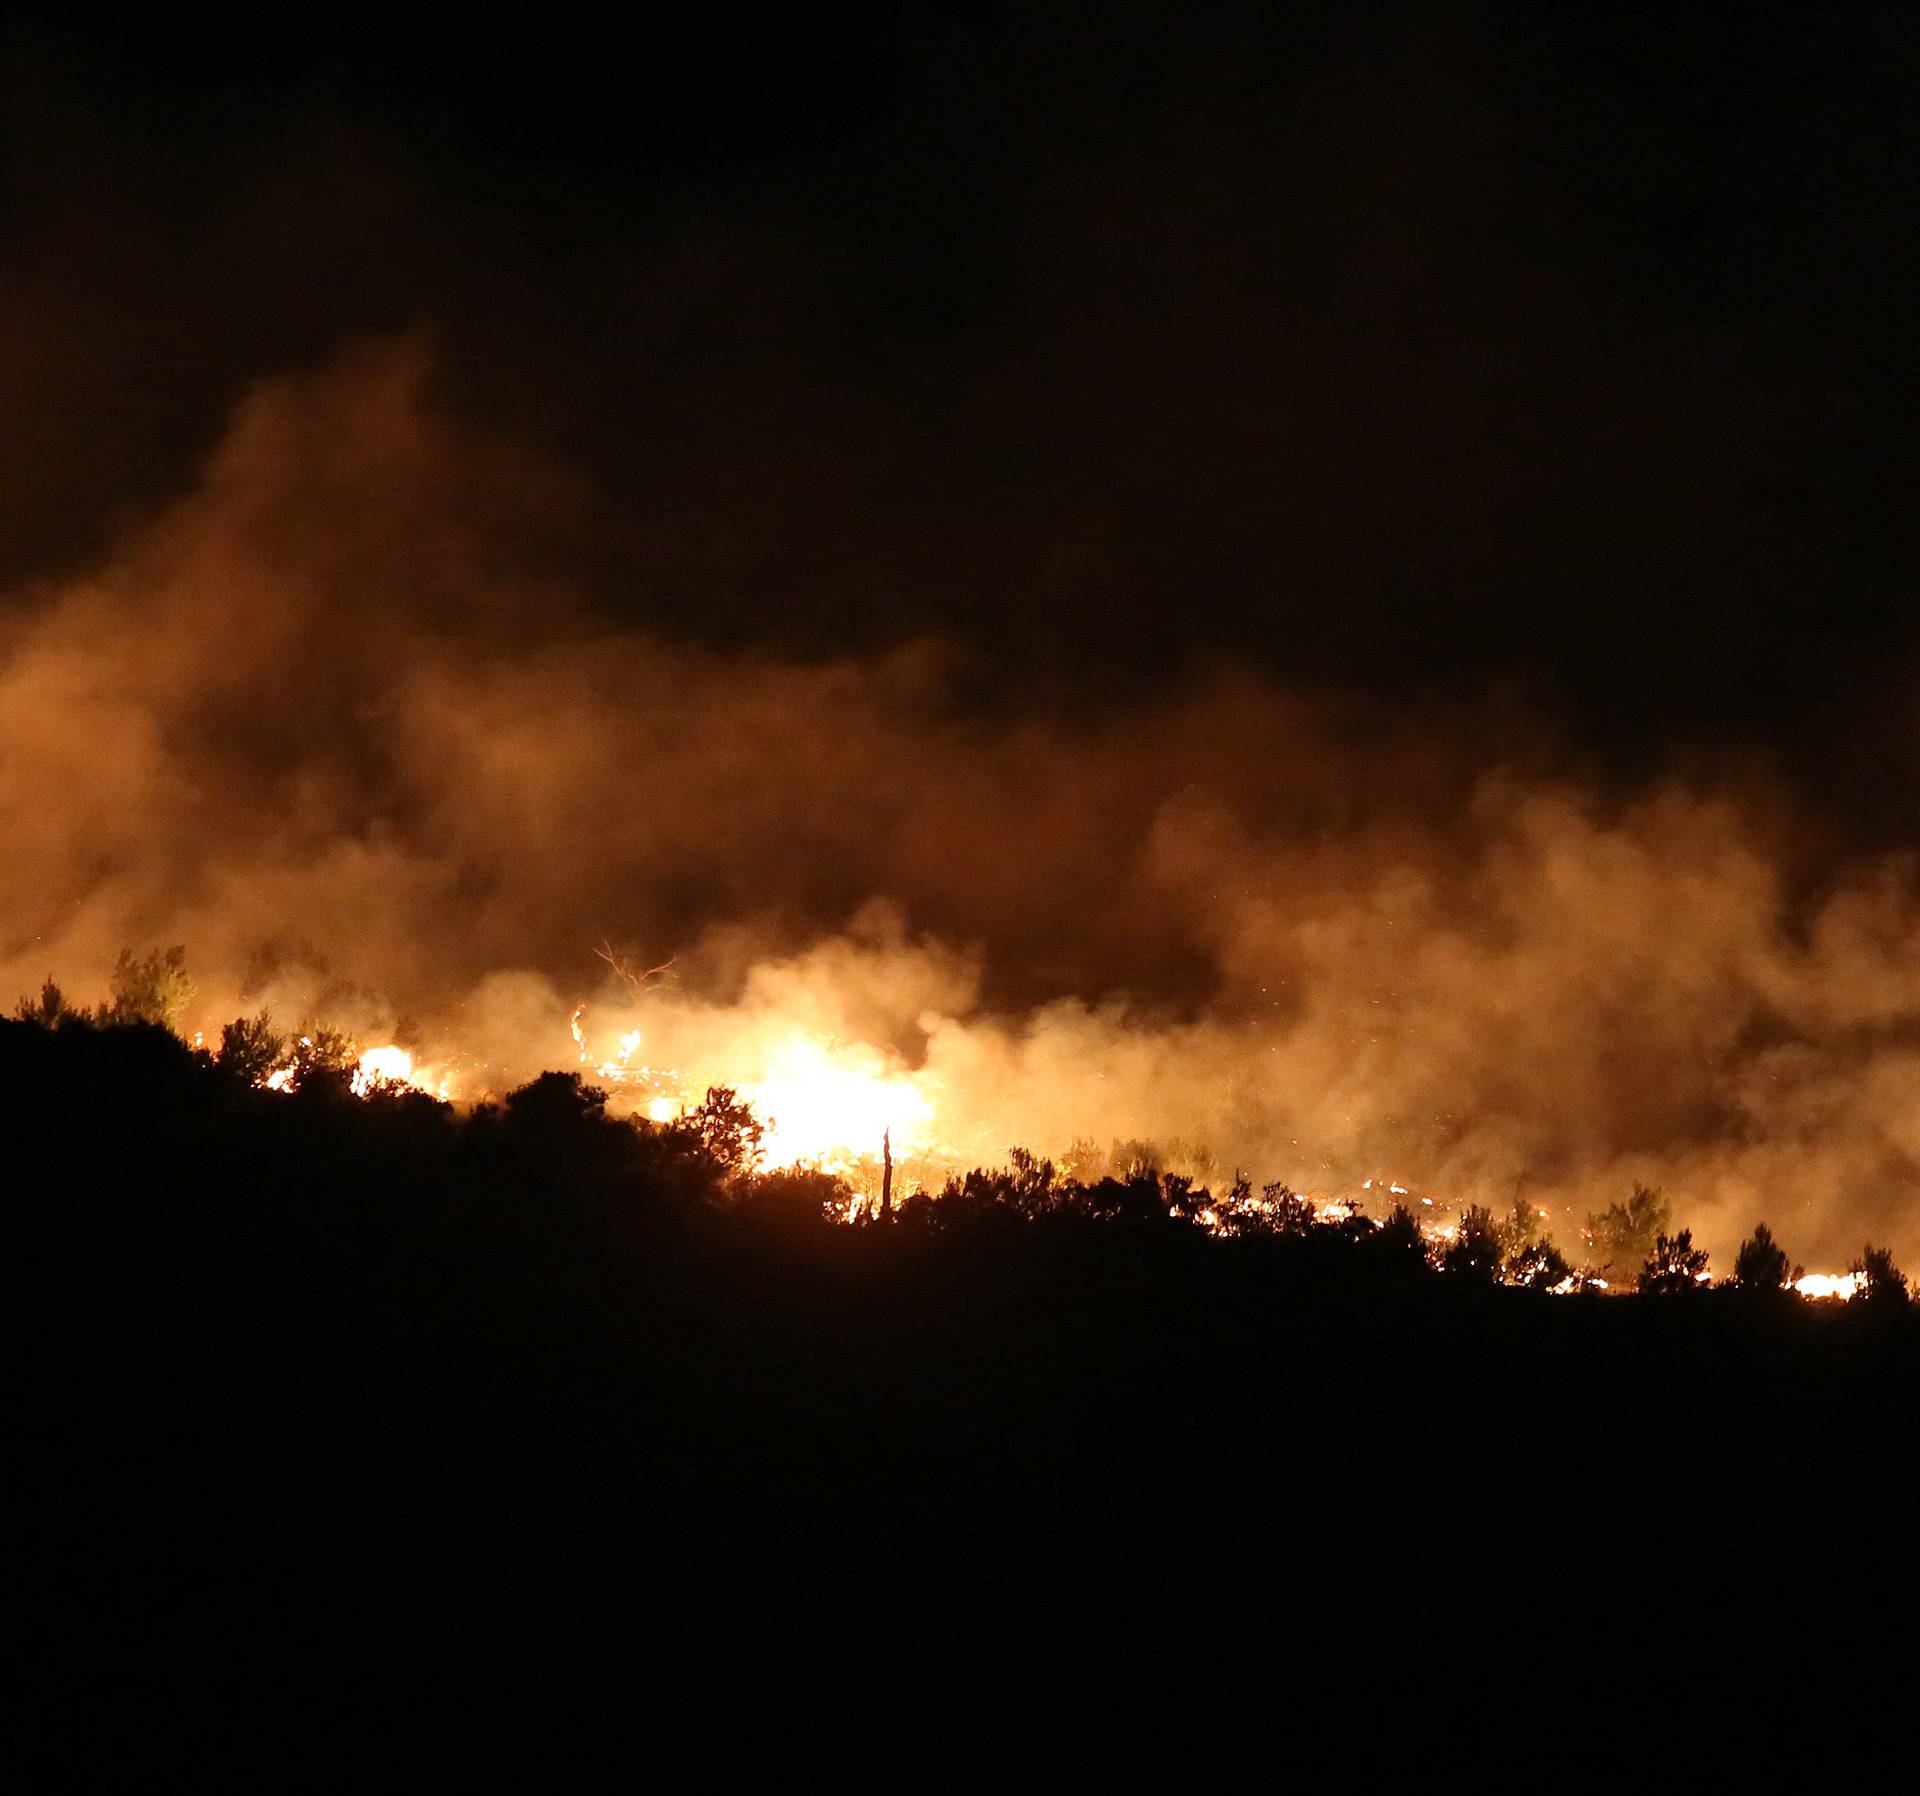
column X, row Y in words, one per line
column 250, row 1048
column 725, row 1129
column 319, row 1058
column 1675, row 1266
column 1287, row 1212
column 1474, row 1254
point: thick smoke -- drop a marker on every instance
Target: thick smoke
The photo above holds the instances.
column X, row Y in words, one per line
column 332, row 722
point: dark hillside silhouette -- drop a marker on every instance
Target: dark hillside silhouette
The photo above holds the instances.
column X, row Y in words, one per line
column 318, row 1378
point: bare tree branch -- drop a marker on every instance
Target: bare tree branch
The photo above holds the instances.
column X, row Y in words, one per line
column 637, row 982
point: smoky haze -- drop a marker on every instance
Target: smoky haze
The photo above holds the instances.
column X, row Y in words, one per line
column 346, row 721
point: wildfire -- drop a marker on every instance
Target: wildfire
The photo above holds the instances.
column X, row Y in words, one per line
column 386, row 1065
column 824, row 1102
column 618, row 1068
column 829, row 1102
column 1838, row 1285
column 389, row 1063
column 392, row 1065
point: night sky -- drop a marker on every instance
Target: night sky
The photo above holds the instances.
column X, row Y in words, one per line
column 1426, row 355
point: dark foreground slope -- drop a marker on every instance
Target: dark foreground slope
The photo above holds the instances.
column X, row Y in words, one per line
column 318, row 1397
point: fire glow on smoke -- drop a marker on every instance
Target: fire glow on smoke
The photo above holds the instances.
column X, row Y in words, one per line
column 824, row 1102
column 310, row 721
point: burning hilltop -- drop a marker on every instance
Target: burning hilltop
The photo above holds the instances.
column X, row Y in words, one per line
column 333, row 720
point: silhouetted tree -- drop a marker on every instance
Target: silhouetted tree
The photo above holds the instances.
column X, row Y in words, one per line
column 1674, row 1266
column 1527, row 1257
column 1036, row 1184
column 1237, row 1212
column 321, row 1059
column 1184, row 1200
column 1474, row 1253
column 1539, row 1266
column 556, row 1100
column 149, row 988
column 1620, row 1237
column 1287, row 1213
column 250, row 1048
column 1519, row 1229
column 986, row 1196
column 795, row 1201
column 1136, row 1199
column 47, row 1010
column 1761, row 1267
column 1399, row 1241
column 1883, row 1284
column 726, row 1129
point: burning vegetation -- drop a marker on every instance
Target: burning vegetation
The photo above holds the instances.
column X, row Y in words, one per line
column 307, row 720
column 831, row 1127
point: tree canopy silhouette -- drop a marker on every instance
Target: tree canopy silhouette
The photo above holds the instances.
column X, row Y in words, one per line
column 1883, row 1286
column 1761, row 1266
column 1474, row 1254
column 1675, row 1267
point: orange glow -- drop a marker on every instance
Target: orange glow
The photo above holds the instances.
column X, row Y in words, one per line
column 828, row 1103
column 1840, row 1286
column 391, row 1065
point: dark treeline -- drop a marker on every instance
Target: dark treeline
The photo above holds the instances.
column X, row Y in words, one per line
column 333, row 1382
column 709, row 1162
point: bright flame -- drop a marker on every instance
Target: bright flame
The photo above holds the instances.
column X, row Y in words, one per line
column 394, row 1064
column 391, row 1065
column 616, row 1069
column 830, row 1102
column 1841, row 1285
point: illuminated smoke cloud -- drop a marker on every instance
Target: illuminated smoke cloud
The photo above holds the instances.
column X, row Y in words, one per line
column 331, row 722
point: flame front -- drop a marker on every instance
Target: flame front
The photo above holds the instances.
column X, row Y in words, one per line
column 830, row 1102
column 394, row 1065
column 1840, row 1285
column 823, row 1101
column 826, row 1103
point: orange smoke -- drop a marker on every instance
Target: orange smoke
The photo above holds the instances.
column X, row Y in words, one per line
column 331, row 721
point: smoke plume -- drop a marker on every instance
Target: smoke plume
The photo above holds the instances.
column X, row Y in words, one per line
column 335, row 721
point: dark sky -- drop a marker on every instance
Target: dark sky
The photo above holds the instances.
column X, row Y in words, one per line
column 1419, row 352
